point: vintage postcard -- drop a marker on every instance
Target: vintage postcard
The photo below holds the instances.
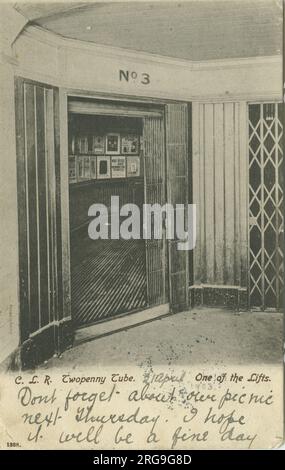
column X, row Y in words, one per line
column 142, row 234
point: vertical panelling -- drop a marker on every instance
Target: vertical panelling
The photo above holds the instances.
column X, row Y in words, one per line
column 230, row 182
column 190, row 188
column 32, row 202
column 9, row 253
column 39, row 247
column 61, row 141
column 51, row 203
column 220, row 192
column 243, row 194
column 202, row 197
column 196, row 182
column 209, row 193
column 20, row 116
column 177, row 193
column 61, row 217
column 237, row 253
column 42, row 205
column 154, row 174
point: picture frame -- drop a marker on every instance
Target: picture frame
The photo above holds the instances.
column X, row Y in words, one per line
column 130, row 144
column 72, row 146
column 113, row 144
column 98, row 144
column 133, row 167
column 93, row 167
column 82, row 145
column 118, row 166
column 86, row 173
column 80, row 168
column 83, row 167
column 103, row 167
column 72, row 169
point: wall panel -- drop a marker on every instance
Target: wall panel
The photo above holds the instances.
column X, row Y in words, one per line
column 39, row 211
column 229, row 192
column 9, row 304
column 154, row 183
column 220, row 192
column 177, row 193
column 209, row 208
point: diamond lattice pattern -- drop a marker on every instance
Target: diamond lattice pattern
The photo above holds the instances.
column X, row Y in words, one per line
column 266, row 206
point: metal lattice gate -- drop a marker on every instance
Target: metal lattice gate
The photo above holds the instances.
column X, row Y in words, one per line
column 266, row 180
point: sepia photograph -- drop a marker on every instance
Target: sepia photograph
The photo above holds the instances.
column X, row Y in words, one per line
column 142, row 234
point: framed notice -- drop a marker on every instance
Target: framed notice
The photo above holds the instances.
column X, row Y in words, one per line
column 130, row 144
column 72, row 169
column 133, row 166
column 82, row 145
column 72, row 145
column 118, row 167
column 86, row 168
column 93, row 168
column 113, row 144
column 103, row 167
column 98, row 144
column 80, row 167
column 83, row 168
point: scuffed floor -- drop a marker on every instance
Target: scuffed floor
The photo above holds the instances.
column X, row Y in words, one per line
column 202, row 336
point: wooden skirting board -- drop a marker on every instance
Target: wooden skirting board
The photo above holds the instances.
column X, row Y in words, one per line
column 53, row 339
column 231, row 297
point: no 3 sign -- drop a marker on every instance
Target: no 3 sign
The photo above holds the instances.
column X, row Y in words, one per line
column 133, row 76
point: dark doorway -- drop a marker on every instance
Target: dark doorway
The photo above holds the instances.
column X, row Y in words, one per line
column 108, row 277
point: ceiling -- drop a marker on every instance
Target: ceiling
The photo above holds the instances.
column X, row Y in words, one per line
column 193, row 30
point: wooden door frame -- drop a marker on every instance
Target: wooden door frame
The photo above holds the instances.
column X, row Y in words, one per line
column 64, row 95
column 53, row 335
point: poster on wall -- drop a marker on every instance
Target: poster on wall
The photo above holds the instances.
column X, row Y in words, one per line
column 103, row 167
column 113, row 144
column 133, row 166
column 98, row 144
column 86, row 167
column 93, row 168
column 83, row 167
column 72, row 145
column 80, row 167
column 118, row 167
column 72, row 169
column 82, row 145
column 130, row 144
